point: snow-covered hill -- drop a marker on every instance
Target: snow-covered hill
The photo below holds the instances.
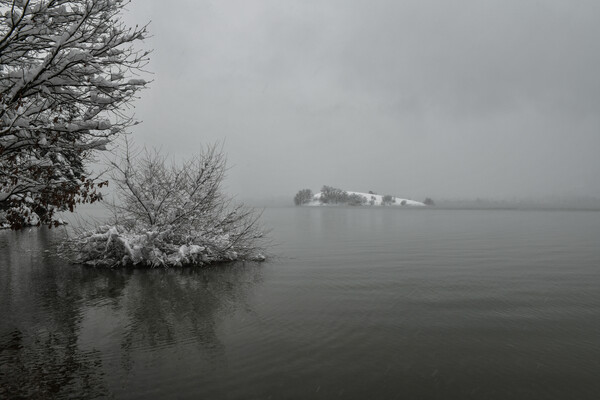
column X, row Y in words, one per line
column 372, row 199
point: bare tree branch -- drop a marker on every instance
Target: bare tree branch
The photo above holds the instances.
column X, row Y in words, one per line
column 169, row 214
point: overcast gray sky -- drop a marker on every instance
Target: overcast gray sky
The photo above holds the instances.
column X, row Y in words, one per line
column 447, row 99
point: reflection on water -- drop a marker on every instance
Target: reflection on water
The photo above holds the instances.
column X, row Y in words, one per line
column 41, row 315
column 362, row 303
column 66, row 328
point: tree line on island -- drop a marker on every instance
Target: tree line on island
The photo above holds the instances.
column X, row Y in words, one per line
column 332, row 195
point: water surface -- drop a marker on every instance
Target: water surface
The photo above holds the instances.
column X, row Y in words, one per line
column 359, row 303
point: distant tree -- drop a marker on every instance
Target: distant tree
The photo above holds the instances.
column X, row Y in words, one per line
column 331, row 195
column 387, row 199
column 303, row 196
column 372, row 201
column 372, row 192
column 356, row 200
column 429, row 202
column 403, row 203
column 65, row 87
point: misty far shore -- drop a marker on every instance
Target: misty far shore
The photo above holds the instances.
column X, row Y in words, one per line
column 550, row 203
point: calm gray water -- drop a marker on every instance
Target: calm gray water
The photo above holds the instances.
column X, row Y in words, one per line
column 360, row 303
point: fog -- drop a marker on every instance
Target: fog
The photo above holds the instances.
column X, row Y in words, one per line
column 491, row 99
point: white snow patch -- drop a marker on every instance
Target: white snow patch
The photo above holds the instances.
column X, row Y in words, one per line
column 376, row 198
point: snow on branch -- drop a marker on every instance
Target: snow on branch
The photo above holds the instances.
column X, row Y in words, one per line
column 170, row 214
column 68, row 69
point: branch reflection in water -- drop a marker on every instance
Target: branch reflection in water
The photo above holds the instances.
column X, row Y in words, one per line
column 77, row 330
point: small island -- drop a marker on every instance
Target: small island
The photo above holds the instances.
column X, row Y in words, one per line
column 334, row 196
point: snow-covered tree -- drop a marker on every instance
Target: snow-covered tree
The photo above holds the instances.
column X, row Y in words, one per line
column 68, row 73
column 332, row 195
column 303, row 196
column 170, row 214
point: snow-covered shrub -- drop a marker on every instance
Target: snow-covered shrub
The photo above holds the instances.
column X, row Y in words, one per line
column 170, row 214
column 3, row 221
column 19, row 216
column 388, row 199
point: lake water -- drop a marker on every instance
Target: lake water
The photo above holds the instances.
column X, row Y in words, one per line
column 358, row 303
